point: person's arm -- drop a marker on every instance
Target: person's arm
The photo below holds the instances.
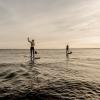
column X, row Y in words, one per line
column 28, row 40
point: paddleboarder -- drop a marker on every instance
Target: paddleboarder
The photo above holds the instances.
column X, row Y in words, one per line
column 32, row 50
column 68, row 51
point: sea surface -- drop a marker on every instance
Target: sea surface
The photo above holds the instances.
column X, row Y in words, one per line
column 52, row 77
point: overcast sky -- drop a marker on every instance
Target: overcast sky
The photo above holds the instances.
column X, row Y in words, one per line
column 52, row 23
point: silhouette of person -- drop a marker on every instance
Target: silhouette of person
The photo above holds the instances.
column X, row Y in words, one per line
column 32, row 51
column 67, row 51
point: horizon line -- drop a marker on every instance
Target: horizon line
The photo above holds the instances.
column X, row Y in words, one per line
column 43, row 48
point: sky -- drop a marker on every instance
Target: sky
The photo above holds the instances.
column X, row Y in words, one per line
column 51, row 23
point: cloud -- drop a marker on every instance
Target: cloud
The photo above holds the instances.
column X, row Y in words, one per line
column 49, row 21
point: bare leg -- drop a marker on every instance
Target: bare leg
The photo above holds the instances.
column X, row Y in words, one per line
column 67, row 55
column 31, row 54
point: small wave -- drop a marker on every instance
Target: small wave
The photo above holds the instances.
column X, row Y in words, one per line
column 3, row 73
column 10, row 75
column 28, row 82
column 59, row 90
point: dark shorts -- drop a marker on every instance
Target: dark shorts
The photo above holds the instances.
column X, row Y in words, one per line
column 32, row 48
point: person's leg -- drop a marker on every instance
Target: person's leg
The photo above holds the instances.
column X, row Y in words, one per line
column 67, row 55
column 31, row 53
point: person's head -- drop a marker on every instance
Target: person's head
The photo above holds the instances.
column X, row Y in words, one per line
column 32, row 40
column 66, row 45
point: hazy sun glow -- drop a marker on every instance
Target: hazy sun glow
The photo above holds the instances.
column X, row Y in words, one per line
column 52, row 23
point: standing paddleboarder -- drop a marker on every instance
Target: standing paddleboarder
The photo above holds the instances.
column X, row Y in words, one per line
column 68, row 51
column 32, row 50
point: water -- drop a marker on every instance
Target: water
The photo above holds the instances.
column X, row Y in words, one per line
column 53, row 77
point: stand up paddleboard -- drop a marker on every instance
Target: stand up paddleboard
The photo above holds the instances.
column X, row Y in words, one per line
column 69, row 53
column 37, row 57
